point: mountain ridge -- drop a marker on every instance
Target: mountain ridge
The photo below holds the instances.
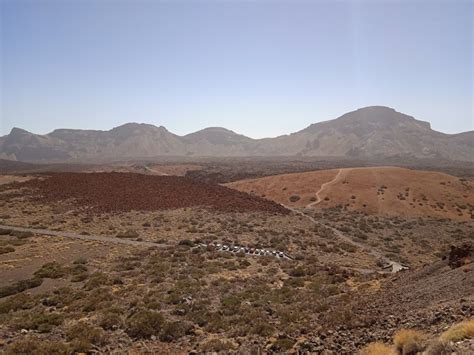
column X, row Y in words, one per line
column 374, row 131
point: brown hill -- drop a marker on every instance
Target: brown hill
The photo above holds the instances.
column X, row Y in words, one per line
column 383, row 190
column 371, row 132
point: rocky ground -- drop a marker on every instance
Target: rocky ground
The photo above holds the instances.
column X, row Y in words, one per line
column 118, row 192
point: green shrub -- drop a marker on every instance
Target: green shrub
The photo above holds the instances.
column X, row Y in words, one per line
column 144, row 324
column 51, row 270
column 83, row 336
column 111, row 319
column 298, row 272
column 14, row 303
column 41, row 322
column 294, row 198
column 20, row 286
column 283, row 344
column 174, row 330
column 97, row 279
column 35, row 346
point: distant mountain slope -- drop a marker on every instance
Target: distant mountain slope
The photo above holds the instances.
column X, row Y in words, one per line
column 369, row 132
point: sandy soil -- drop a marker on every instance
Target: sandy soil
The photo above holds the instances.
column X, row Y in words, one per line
column 281, row 187
column 382, row 190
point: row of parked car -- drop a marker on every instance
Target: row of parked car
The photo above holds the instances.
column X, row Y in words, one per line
column 249, row 251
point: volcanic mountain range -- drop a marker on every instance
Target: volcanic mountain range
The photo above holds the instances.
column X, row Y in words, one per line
column 370, row 132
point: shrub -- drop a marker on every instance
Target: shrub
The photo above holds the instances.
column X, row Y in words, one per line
column 409, row 341
column 230, row 304
column 216, row 345
column 127, row 234
column 15, row 303
column 97, row 279
column 31, row 345
column 21, row 235
column 80, row 261
column 41, row 322
column 20, row 286
column 377, row 349
column 283, row 345
column 5, row 231
column 51, row 270
column 83, row 336
column 350, row 248
column 294, row 198
column 111, row 319
column 144, row 324
column 7, row 249
column 459, row 331
column 174, row 330
column 298, row 272
column 438, row 347
column 186, row 242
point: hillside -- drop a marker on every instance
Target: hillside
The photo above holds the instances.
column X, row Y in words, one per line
column 371, row 132
column 384, row 191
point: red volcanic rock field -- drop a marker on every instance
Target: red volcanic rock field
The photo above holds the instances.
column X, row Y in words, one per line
column 120, row 192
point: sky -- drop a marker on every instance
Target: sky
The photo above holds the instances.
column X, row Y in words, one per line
column 260, row 68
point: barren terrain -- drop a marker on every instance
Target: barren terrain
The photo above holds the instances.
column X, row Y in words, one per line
column 70, row 285
column 378, row 191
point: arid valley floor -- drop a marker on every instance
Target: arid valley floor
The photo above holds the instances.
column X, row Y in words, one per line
column 129, row 258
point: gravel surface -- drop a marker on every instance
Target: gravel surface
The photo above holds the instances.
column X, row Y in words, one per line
column 120, row 192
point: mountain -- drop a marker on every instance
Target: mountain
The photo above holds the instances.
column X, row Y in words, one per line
column 374, row 131
column 370, row 132
column 214, row 140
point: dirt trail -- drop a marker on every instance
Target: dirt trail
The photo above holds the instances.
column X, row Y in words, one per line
column 371, row 250
column 83, row 237
column 325, row 185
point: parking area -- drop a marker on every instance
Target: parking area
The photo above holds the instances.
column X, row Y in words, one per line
column 247, row 250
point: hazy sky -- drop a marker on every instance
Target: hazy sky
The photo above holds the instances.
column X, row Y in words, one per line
column 261, row 68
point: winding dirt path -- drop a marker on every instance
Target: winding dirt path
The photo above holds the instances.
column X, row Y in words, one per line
column 83, row 237
column 325, row 185
column 370, row 250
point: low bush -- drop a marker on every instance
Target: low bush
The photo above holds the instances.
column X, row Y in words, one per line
column 14, row 303
column 32, row 345
column 20, row 286
column 294, row 198
column 96, row 280
column 174, row 330
column 111, row 319
column 216, row 346
column 438, row 347
column 83, row 336
column 127, row 234
column 7, row 249
column 21, row 235
column 144, row 324
column 409, row 341
column 377, row 349
column 282, row 345
column 41, row 322
column 459, row 331
column 51, row 270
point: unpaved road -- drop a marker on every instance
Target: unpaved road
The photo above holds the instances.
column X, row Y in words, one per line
column 371, row 250
column 83, row 237
column 325, row 185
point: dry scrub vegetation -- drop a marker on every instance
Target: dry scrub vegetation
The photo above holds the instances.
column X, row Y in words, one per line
column 59, row 295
